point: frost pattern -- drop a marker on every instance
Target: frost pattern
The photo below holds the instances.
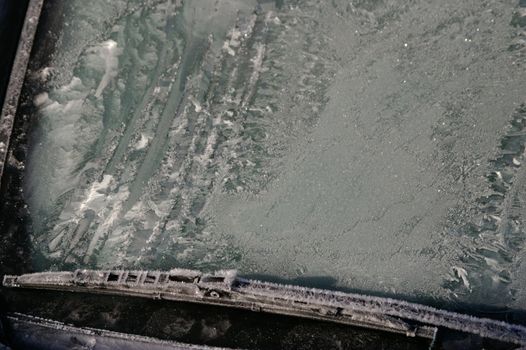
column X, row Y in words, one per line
column 379, row 143
column 164, row 111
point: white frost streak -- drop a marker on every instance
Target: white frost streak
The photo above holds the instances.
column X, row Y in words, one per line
column 143, row 142
column 96, row 194
column 114, row 204
column 41, row 99
column 257, row 62
column 110, row 53
column 463, row 274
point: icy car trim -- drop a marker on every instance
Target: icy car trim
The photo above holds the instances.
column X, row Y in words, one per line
column 18, row 71
column 42, row 333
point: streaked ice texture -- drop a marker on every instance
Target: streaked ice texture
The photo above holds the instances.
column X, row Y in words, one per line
column 376, row 142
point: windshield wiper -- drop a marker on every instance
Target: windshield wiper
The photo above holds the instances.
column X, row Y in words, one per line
column 225, row 288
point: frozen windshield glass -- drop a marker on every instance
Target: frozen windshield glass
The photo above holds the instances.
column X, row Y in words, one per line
column 374, row 144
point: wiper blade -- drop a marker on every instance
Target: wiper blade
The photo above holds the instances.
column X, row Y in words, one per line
column 225, row 288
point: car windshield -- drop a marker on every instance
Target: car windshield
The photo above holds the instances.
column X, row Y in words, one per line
column 370, row 145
